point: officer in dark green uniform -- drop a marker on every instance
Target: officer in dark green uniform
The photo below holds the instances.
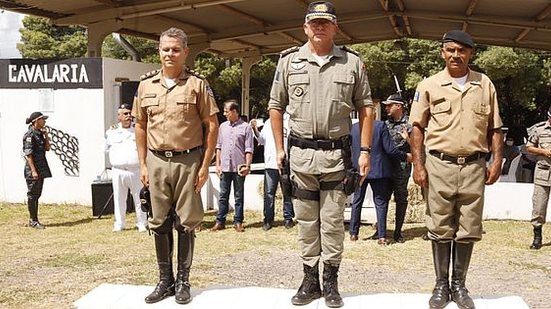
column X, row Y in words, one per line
column 35, row 145
column 320, row 84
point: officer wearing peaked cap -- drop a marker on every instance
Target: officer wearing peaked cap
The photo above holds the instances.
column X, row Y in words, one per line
column 35, row 145
column 539, row 144
column 399, row 129
column 120, row 144
column 319, row 84
column 176, row 130
column 455, row 115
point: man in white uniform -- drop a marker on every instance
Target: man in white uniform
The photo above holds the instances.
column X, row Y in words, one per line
column 125, row 172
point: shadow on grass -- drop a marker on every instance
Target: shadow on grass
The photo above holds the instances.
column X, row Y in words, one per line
column 71, row 223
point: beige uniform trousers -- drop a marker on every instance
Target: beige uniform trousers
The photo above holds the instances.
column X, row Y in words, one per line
column 320, row 223
column 455, row 200
column 539, row 201
column 171, row 183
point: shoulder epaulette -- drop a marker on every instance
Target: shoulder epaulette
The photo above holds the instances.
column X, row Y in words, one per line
column 293, row 49
column 149, row 74
column 195, row 73
column 347, row 49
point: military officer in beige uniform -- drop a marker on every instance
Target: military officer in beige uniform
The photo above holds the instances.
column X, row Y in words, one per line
column 539, row 144
column 455, row 115
column 174, row 107
column 320, row 84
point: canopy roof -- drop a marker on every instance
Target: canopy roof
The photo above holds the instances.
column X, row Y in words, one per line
column 240, row 28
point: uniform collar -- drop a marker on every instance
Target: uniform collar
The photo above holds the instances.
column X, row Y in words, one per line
column 304, row 53
column 159, row 76
column 473, row 79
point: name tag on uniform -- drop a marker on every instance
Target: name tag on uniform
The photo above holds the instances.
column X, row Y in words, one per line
column 150, row 95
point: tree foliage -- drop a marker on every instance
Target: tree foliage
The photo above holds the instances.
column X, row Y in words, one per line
column 40, row 39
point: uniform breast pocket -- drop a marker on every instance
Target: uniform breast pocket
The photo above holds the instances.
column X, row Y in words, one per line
column 343, row 86
column 441, row 110
column 299, row 88
column 187, row 104
column 151, row 106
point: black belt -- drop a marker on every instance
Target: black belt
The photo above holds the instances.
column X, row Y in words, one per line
column 460, row 160
column 172, row 153
column 318, row 144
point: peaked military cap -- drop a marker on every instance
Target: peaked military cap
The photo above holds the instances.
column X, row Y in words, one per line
column 35, row 116
column 321, row 9
column 458, row 36
column 395, row 99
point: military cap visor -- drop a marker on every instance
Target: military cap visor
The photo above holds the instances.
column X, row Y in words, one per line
column 321, row 10
column 125, row 106
column 458, row 36
column 395, row 99
column 35, row 116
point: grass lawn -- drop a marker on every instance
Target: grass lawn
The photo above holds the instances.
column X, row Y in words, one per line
column 76, row 252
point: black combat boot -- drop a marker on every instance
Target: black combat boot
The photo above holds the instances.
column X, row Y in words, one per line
column 330, row 286
column 441, row 252
column 310, row 288
column 536, row 244
column 32, row 204
column 461, row 258
column 164, row 245
column 186, row 243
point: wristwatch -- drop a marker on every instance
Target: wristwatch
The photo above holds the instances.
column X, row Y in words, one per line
column 365, row 149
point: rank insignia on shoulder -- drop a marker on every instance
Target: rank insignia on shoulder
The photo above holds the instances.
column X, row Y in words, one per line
column 195, row 73
column 149, row 74
column 288, row 51
column 416, row 96
column 209, row 91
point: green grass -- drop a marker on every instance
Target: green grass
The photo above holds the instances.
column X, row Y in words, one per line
column 76, row 252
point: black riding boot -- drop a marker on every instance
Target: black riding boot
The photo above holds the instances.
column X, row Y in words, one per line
column 310, row 288
column 441, row 252
column 186, row 243
column 461, row 258
column 330, row 286
column 164, row 245
column 538, row 238
column 32, row 204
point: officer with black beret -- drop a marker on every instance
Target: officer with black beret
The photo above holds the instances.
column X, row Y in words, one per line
column 35, row 145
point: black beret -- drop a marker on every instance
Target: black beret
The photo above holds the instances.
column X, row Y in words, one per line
column 395, row 99
column 321, row 9
column 35, row 116
column 458, row 36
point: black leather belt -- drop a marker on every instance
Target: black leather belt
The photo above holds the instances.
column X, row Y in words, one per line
column 172, row 153
column 318, row 144
column 460, row 160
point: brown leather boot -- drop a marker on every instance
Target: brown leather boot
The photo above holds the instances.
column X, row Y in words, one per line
column 310, row 288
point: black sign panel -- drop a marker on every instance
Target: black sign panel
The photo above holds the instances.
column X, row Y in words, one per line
column 51, row 73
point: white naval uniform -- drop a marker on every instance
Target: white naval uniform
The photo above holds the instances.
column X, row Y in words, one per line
column 125, row 173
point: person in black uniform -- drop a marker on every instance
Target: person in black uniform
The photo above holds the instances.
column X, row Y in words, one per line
column 35, row 145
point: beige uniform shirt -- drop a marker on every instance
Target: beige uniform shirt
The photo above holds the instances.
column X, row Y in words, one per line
column 457, row 122
column 540, row 137
column 174, row 115
column 319, row 101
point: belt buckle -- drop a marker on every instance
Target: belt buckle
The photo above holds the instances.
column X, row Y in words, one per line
column 461, row 160
column 168, row 154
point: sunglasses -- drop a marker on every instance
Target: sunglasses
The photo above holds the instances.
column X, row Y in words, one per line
column 126, row 113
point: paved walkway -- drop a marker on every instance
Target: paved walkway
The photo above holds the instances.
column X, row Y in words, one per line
column 115, row 296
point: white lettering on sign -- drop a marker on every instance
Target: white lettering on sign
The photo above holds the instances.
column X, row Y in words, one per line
column 40, row 73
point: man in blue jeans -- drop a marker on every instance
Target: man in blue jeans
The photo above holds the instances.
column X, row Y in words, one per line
column 234, row 154
column 271, row 174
